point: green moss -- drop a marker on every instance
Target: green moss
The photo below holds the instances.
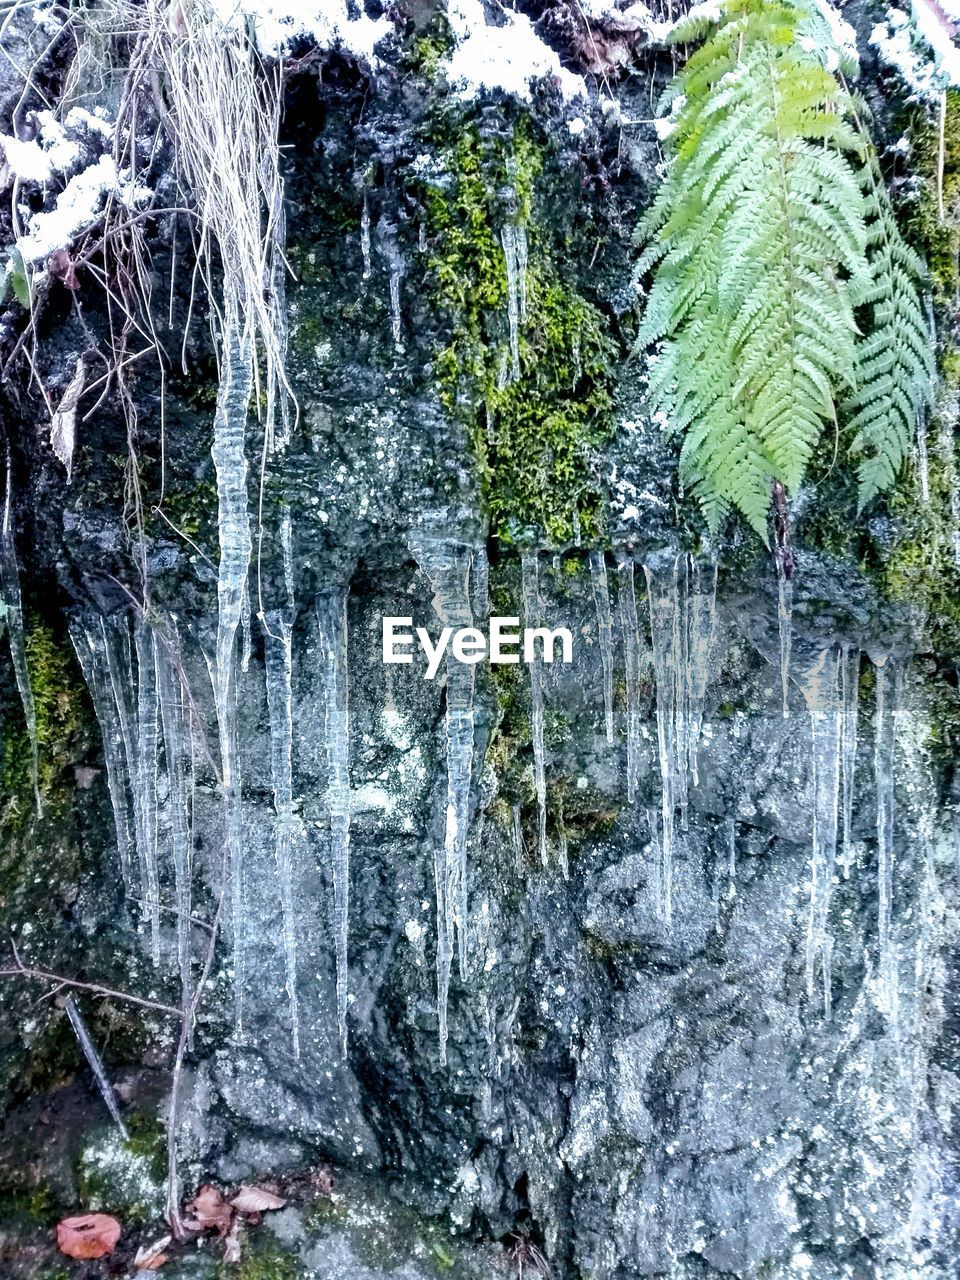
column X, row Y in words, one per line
column 937, row 237
column 919, row 571
column 262, row 1259
column 113, row 1176
column 430, row 47
column 535, row 438
column 58, row 697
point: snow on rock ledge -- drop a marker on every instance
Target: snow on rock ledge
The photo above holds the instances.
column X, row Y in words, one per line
column 506, row 57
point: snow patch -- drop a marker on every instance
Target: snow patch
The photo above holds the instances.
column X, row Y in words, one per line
column 77, row 206
column 278, row 23
column 506, row 57
column 926, row 77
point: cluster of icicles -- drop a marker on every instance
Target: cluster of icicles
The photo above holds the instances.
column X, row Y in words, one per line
column 152, row 743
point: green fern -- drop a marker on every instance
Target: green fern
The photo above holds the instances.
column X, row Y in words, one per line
column 765, row 237
column 897, row 362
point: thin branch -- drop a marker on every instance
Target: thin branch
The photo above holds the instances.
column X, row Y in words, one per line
column 21, row 970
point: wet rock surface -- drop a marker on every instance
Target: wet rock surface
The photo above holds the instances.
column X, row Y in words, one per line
column 637, row 1096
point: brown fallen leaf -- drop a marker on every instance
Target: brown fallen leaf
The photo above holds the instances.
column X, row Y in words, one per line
column 91, row 1235
column 152, row 1257
column 256, row 1200
column 211, row 1210
column 231, row 1246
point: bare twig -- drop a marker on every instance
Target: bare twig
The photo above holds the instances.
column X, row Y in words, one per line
column 21, row 970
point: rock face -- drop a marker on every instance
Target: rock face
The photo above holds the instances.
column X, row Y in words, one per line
column 638, row 1095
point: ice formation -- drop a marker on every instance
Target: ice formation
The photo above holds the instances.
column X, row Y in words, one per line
column 446, row 563
column 531, row 618
column 332, row 623
column 819, row 685
column 601, row 598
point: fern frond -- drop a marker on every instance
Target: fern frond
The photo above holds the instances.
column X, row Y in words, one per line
column 897, row 357
column 770, row 236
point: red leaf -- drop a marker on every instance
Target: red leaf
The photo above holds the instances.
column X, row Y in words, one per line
column 92, row 1235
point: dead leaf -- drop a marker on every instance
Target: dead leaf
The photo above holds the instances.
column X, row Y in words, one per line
column 60, row 265
column 91, row 1235
column 211, row 1210
column 256, row 1200
column 231, row 1247
column 152, row 1257
column 63, row 427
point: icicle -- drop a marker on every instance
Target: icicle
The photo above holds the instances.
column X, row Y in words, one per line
column 850, row 696
column 174, row 749
column 481, row 582
column 96, row 1066
column 531, row 619
column 680, row 664
column 332, row 621
column 784, row 622
column 701, row 637
column 278, row 666
column 229, row 428
column 365, row 236
column 601, row 597
column 508, row 237
column 115, row 642
column 631, row 648
column 520, row 849
column 948, row 419
column 92, row 659
column 664, row 633
column 923, row 461
column 396, row 329
column 732, row 848
column 246, row 628
column 148, row 737
column 825, row 708
column 522, row 256
column 446, row 564
column 883, row 761
column 13, row 610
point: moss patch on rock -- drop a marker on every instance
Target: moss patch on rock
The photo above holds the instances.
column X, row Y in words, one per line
column 535, row 436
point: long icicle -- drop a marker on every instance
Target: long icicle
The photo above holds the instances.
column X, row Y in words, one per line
column 824, row 706
column 278, row 665
column 784, row 621
column 233, row 521
column 701, row 634
column 531, row 619
column 850, row 696
column 601, row 597
column 95, row 1064
column 148, row 736
column 175, row 756
column 631, row 647
column 664, row 632
column 92, row 658
column 332, row 621
column 13, row 604
column 447, row 564
column 115, row 641
column 883, row 763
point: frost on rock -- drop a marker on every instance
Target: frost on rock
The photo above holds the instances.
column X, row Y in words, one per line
column 506, row 57
column 446, row 563
column 332, row 621
column 825, row 709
